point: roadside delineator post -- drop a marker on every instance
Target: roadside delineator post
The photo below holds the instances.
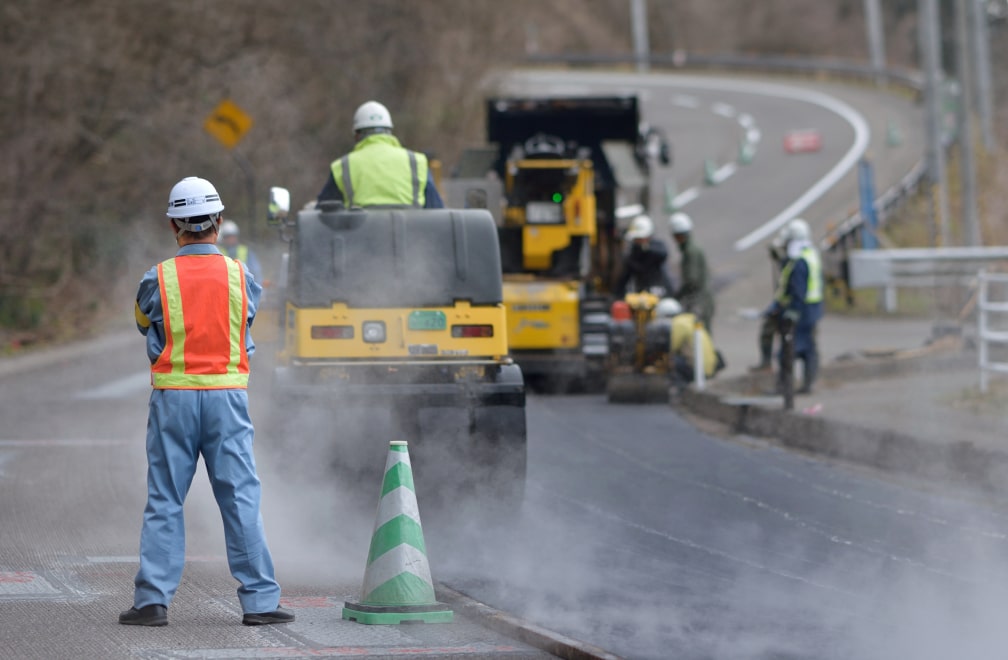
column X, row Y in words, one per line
column 670, row 197
column 710, row 172
column 397, row 581
column 747, row 151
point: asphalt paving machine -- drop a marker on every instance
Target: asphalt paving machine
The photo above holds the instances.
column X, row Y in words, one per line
column 557, row 174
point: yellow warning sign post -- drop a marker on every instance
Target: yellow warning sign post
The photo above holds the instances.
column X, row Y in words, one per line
column 228, row 123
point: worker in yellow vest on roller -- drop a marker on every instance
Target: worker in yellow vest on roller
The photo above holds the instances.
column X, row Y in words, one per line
column 380, row 171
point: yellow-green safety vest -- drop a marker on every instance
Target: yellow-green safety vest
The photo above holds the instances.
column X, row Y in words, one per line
column 684, row 328
column 814, row 288
column 380, row 172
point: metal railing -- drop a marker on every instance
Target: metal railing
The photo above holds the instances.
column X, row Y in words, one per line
column 989, row 333
column 920, row 267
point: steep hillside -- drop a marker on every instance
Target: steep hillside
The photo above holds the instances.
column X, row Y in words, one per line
column 102, row 107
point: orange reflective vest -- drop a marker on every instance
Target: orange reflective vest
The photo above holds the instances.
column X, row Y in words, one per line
column 205, row 310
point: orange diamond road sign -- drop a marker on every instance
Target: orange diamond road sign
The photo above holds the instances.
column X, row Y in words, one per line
column 228, row 123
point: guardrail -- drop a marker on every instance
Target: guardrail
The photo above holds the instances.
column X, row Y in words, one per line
column 844, row 236
column 986, row 334
column 920, row 267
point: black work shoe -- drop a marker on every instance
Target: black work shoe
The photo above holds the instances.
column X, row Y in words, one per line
column 148, row 615
column 279, row 615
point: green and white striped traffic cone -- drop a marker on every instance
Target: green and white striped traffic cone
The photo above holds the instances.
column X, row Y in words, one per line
column 397, row 580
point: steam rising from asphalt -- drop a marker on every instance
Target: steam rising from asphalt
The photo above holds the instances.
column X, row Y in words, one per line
column 908, row 575
column 885, row 572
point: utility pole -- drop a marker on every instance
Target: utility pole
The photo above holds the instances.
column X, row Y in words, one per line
column 930, row 38
column 876, row 39
column 982, row 71
column 964, row 119
column 639, row 26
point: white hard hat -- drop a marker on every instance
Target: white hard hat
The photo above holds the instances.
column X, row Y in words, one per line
column 641, row 227
column 680, row 223
column 229, row 228
column 193, row 197
column 798, row 230
column 371, row 115
column 667, row 308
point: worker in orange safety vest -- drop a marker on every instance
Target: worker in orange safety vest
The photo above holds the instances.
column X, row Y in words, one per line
column 196, row 310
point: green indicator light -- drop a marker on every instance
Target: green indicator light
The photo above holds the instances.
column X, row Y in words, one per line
column 557, row 197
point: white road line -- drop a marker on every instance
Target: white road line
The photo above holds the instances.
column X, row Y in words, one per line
column 723, row 109
column 685, row 197
column 119, row 388
column 724, row 172
column 684, row 101
column 66, row 442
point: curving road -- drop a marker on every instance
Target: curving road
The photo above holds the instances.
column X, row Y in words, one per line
column 641, row 533
column 649, row 537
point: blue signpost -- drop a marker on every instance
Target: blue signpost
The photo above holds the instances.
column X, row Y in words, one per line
column 866, row 192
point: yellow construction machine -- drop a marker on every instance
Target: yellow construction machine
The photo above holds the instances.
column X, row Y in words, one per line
column 399, row 311
column 639, row 361
column 555, row 176
column 654, row 346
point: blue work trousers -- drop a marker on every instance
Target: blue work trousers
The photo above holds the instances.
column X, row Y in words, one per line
column 181, row 426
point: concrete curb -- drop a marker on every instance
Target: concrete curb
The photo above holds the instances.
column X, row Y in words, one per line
column 528, row 633
column 960, row 461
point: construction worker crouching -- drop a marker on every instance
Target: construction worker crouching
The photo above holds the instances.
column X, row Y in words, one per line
column 798, row 301
column 379, row 171
column 644, row 264
column 196, row 310
column 685, row 329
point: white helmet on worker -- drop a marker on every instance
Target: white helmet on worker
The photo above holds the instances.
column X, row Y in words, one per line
column 641, row 227
column 229, row 228
column 680, row 223
column 193, row 197
column 667, row 308
column 372, row 115
column 798, row 230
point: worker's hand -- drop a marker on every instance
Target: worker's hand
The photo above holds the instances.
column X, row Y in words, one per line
column 792, row 315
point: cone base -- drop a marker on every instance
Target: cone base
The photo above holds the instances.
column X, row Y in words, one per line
column 394, row 615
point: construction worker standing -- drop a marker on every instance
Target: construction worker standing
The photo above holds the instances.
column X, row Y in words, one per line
column 196, row 310
column 230, row 236
column 644, row 264
column 379, row 171
column 694, row 284
column 798, row 301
